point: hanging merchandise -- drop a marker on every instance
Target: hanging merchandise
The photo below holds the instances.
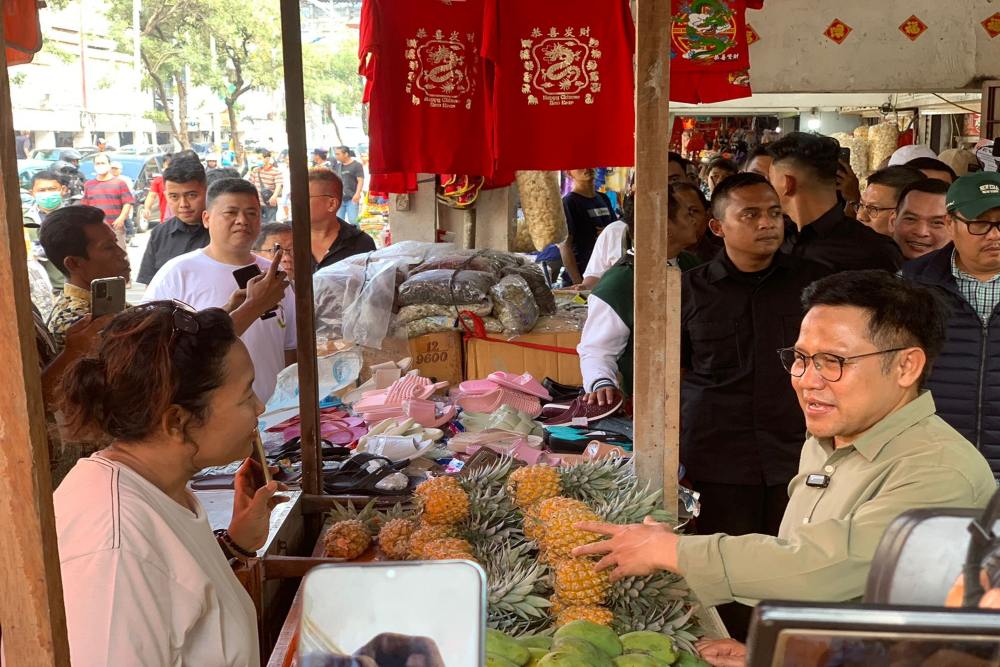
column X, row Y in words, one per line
column 426, row 86
column 709, row 59
column 564, row 87
column 21, row 30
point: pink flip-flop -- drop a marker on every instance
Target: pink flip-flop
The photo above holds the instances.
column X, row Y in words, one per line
column 425, row 413
column 525, row 384
column 476, row 387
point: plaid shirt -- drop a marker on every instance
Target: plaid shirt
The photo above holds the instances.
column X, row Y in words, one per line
column 982, row 296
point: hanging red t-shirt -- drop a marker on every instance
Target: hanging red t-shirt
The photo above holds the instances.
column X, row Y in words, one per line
column 426, row 86
column 21, row 30
column 564, row 88
column 709, row 55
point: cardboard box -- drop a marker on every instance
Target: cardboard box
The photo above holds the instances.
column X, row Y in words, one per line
column 483, row 357
column 438, row 356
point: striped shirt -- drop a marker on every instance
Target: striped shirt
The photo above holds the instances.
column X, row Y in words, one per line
column 110, row 196
column 983, row 296
column 266, row 179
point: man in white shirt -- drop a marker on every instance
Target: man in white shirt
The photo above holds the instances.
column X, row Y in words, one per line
column 204, row 278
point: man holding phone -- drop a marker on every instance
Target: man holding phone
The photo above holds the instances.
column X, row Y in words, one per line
column 204, row 278
column 79, row 243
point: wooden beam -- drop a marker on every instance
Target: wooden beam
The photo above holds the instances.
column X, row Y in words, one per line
column 32, row 617
column 298, row 161
column 657, row 288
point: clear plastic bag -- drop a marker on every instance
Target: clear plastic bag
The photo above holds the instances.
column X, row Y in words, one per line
column 543, row 207
column 419, row 311
column 539, row 287
column 445, row 287
column 514, row 305
column 354, row 302
column 439, row 324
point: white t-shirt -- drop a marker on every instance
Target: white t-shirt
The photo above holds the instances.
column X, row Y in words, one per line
column 144, row 579
column 202, row 282
column 607, row 249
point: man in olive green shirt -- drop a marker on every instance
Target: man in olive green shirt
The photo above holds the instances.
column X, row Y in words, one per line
column 876, row 449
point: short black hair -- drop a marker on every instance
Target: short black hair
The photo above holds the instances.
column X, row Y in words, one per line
column 684, row 186
column 343, row 149
column 932, row 186
column 723, row 163
column 228, row 186
column 184, row 154
column 63, row 235
column 219, row 173
column 728, row 185
column 818, row 154
column 676, row 157
column 901, row 313
column 270, row 229
column 47, row 175
column 896, row 178
column 184, row 170
column 760, row 151
column 931, row 164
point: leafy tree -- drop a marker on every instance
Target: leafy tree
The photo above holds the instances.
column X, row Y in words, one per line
column 332, row 81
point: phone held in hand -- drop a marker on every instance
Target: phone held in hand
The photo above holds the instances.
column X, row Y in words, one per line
column 107, row 297
column 263, row 475
column 243, row 277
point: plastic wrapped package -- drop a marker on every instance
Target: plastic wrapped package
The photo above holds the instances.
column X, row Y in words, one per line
column 419, row 311
column 522, row 240
column 883, row 141
column 861, row 132
column 445, row 287
column 539, row 287
column 859, row 152
column 355, row 302
column 543, row 207
column 406, row 253
column 565, row 321
column 514, row 305
column 439, row 324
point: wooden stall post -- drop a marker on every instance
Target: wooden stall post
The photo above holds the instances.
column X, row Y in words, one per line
column 298, row 161
column 32, row 618
column 657, row 287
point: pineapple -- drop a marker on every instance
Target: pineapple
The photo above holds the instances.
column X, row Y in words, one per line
column 632, row 504
column 444, row 505
column 394, row 538
column 518, row 586
column 531, row 484
column 427, row 533
column 539, row 514
column 433, row 484
column 592, row 613
column 559, row 533
column 577, row 582
column 448, row 548
column 347, row 539
column 597, row 481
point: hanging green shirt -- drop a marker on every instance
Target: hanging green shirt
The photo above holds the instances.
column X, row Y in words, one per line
column 823, row 551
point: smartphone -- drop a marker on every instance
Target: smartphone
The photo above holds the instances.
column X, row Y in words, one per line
column 845, row 154
column 244, row 276
column 263, row 476
column 392, row 612
column 107, row 297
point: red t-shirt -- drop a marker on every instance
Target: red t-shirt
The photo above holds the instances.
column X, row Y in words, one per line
column 426, row 86
column 110, row 196
column 564, row 88
column 710, row 35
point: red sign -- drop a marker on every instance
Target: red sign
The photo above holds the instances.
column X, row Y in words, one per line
column 752, row 35
column 913, row 28
column 838, row 31
column 992, row 25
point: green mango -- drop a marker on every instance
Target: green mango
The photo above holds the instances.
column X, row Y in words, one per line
column 654, row 644
column 536, row 655
column 499, row 644
column 685, row 659
column 638, row 660
column 582, row 648
column 494, row 660
column 567, row 659
column 600, row 636
column 535, row 641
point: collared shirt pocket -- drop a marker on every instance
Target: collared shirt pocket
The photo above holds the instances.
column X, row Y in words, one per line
column 715, row 346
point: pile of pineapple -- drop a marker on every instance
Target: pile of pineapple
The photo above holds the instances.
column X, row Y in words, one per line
column 518, row 524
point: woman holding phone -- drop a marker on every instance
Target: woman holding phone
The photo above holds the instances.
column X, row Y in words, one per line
column 145, row 580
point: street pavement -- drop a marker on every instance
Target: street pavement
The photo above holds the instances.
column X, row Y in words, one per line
column 134, row 293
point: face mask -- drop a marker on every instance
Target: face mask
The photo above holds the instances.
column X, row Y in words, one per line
column 102, row 169
column 49, row 200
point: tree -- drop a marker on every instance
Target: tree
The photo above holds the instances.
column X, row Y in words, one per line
column 332, row 81
column 247, row 54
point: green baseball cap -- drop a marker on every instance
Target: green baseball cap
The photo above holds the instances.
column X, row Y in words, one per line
column 974, row 194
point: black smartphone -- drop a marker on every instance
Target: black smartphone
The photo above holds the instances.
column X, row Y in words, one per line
column 845, row 154
column 107, row 297
column 244, row 276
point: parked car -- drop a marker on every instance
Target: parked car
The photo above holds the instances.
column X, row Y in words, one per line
column 65, row 153
column 26, row 170
column 141, row 168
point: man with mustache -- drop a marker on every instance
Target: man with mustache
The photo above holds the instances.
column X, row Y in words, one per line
column 966, row 377
column 736, row 310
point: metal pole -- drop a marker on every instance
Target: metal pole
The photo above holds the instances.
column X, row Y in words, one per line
column 295, row 123
column 137, row 139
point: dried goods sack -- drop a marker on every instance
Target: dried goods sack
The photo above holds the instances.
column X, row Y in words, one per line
column 468, row 262
column 859, row 152
column 440, row 324
column 539, row 287
column 445, row 287
column 883, row 140
column 543, row 207
column 514, row 305
column 419, row 311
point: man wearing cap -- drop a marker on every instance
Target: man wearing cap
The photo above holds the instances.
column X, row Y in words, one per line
column 965, row 379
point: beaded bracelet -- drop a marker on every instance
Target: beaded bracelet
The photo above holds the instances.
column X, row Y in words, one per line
column 234, row 548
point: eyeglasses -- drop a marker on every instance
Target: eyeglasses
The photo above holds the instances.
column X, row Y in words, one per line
column 829, row 366
column 978, row 227
column 870, row 209
column 184, row 315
